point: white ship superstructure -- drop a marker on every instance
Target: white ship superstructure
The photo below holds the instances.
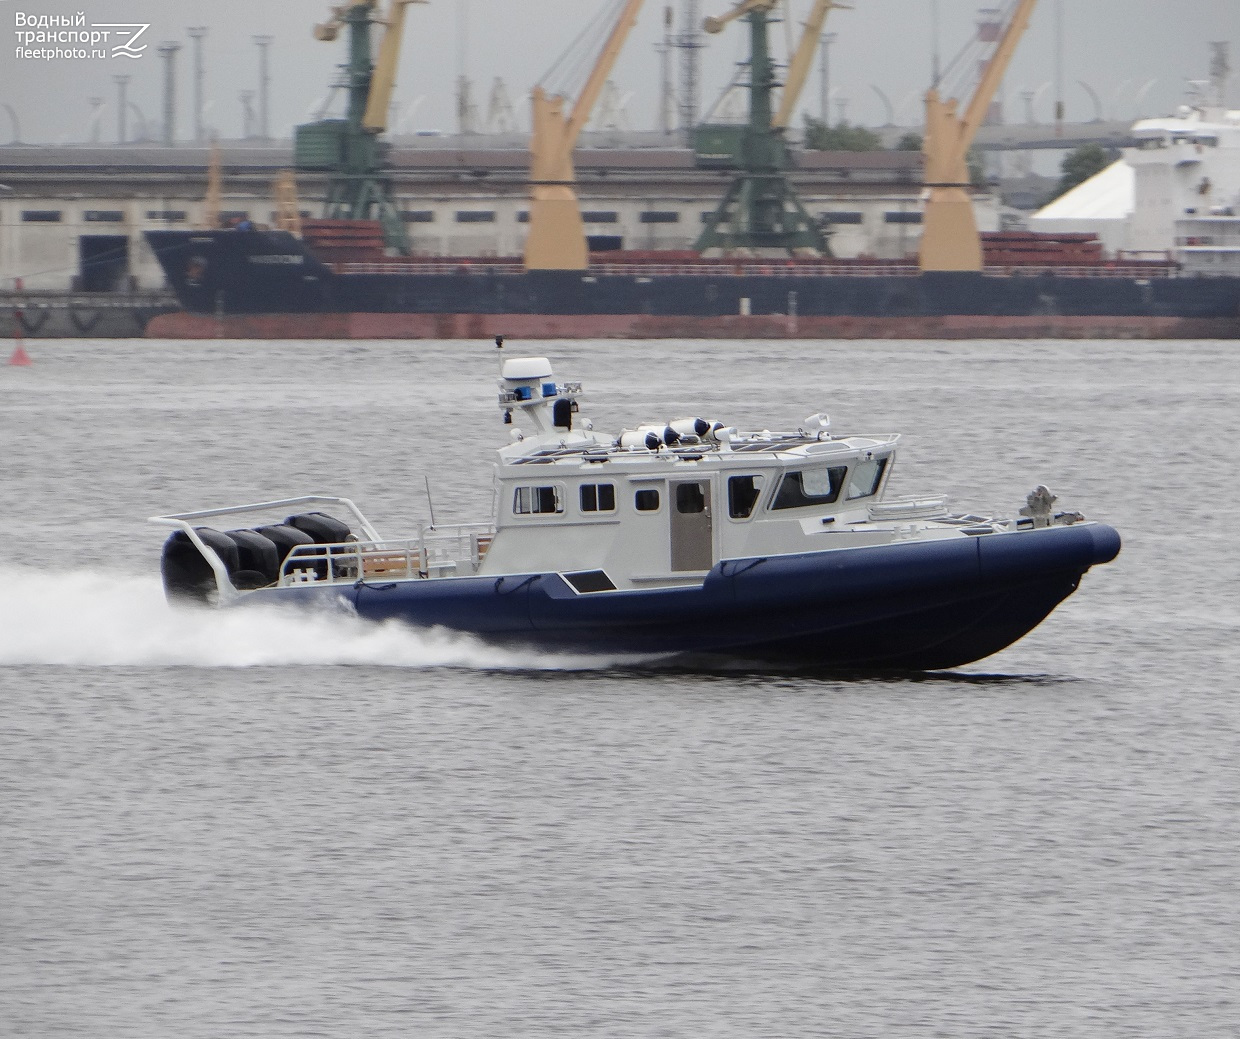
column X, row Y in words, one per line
column 1187, row 187
column 1176, row 193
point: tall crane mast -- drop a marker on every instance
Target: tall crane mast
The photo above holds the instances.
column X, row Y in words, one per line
column 350, row 149
column 949, row 240
column 557, row 236
column 761, row 210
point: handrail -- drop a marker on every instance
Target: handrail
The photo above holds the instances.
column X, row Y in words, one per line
column 749, row 269
column 226, row 590
column 348, row 561
column 263, row 506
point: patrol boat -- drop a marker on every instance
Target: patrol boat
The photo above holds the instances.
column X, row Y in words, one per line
column 688, row 537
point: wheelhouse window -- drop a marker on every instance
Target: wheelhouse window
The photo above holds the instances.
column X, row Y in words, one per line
column 743, row 494
column 805, row 487
column 865, row 478
column 598, row 497
column 534, row 501
column 646, row 500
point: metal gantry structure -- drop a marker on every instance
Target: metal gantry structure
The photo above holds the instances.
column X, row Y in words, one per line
column 689, row 42
column 761, row 212
column 350, row 150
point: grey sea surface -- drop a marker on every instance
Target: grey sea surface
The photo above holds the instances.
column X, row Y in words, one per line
column 266, row 824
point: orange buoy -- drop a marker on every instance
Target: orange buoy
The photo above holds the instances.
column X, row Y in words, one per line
column 20, row 357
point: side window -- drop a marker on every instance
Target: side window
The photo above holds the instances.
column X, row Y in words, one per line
column 809, row 487
column 646, row 500
column 528, row 501
column 865, row 478
column 598, row 497
column 690, row 498
column 743, row 494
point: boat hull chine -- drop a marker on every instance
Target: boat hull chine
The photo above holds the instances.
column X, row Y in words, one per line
column 919, row 605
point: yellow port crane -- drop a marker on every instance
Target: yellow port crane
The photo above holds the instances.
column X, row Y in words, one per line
column 383, row 81
column 557, row 237
column 802, row 59
column 949, row 240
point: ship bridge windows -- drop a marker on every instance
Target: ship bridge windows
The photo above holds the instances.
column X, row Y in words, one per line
column 598, row 497
column 537, row 501
column 743, row 495
column 801, row 488
column 865, row 477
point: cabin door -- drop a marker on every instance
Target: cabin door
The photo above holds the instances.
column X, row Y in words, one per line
column 692, row 532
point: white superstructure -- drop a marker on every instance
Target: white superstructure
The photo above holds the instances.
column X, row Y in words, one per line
column 1186, row 166
column 1177, row 193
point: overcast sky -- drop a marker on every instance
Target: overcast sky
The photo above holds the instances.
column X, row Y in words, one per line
column 1117, row 47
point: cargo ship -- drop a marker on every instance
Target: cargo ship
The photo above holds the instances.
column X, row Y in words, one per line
column 273, row 284
column 761, row 267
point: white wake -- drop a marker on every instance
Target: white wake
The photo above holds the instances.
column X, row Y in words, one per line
column 100, row 619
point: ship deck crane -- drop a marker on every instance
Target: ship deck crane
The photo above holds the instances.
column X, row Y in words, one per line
column 350, row 149
column 802, row 59
column 761, row 210
column 557, row 238
column 949, row 240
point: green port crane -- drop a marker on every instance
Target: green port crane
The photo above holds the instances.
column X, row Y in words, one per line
column 351, row 150
column 761, row 210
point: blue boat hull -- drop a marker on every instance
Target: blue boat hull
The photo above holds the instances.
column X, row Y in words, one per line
column 910, row 606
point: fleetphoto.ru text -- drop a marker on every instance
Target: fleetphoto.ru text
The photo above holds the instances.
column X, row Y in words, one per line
column 57, row 37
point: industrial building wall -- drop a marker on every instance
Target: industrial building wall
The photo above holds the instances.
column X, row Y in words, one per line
column 41, row 234
column 41, row 240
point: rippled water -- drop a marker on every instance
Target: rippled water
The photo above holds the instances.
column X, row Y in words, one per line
column 215, row 825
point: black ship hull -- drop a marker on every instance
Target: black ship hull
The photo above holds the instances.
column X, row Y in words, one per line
column 235, row 274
